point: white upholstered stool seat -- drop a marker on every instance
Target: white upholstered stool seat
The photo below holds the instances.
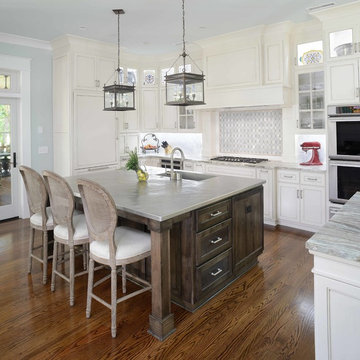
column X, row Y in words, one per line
column 36, row 219
column 80, row 231
column 129, row 243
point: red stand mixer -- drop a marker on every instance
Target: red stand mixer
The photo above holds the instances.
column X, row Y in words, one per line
column 314, row 146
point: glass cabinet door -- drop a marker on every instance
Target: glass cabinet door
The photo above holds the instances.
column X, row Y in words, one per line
column 341, row 43
column 311, row 100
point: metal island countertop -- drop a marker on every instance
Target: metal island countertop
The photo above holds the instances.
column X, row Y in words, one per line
column 160, row 198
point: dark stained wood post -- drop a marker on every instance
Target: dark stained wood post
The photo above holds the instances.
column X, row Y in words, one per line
column 161, row 319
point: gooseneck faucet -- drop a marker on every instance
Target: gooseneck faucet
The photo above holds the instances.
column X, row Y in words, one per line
column 173, row 175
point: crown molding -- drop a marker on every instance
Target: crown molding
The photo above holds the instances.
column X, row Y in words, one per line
column 24, row 41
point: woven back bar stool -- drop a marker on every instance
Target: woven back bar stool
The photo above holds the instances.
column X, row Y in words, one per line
column 40, row 215
column 110, row 245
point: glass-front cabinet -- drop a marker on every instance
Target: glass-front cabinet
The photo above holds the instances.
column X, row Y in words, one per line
column 311, row 100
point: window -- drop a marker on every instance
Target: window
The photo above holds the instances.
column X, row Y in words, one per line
column 186, row 118
column 169, row 71
column 341, row 43
column 149, row 77
column 5, row 81
column 310, row 53
column 131, row 76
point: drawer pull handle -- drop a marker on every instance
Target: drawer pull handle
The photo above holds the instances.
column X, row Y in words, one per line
column 216, row 241
column 216, row 213
column 288, row 176
column 311, row 179
column 217, row 272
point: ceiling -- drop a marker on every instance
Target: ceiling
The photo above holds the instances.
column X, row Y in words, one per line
column 148, row 26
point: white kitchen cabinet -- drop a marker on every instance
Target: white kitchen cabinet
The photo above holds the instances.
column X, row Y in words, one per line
column 150, row 109
column 169, row 114
column 301, row 199
column 269, row 194
column 242, row 171
column 199, row 166
column 92, row 72
column 336, row 307
column 342, row 82
column 94, row 132
column 128, row 142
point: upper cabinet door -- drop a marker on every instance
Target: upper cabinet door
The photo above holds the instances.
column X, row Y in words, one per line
column 85, row 72
column 105, row 72
column 150, row 109
column 169, row 114
column 342, row 82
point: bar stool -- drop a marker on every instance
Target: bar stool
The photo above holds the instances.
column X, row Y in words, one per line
column 40, row 215
column 69, row 229
column 110, row 245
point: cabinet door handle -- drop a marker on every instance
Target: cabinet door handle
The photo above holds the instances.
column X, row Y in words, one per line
column 218, row 239
column 301, row 194
column 297, row 193
column 97, row 83
column 216, row 213
column 217, row 272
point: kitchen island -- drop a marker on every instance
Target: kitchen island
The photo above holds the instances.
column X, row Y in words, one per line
column 336, row 250
column 206, row 231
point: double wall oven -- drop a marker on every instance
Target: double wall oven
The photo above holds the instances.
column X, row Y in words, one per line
column 344, row 152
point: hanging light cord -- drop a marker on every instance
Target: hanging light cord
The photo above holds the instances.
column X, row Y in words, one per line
column 118, row 41
column 183, row 21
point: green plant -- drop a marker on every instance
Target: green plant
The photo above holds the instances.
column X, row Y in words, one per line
column 133, row 162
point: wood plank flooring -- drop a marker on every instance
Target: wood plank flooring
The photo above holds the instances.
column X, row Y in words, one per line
column 267, row 314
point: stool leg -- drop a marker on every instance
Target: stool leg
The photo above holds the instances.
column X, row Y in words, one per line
column 31, row 245
column 54, row 265
column 113, row 301
column 45, row 255
column 123, row 270
column 90, row 287
column 72, row 275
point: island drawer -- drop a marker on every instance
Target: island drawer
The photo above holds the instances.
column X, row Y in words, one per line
column 213, row 241
column 213, row 214
column 213, row 273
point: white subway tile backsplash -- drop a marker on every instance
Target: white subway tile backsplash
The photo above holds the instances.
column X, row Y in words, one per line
column 257, row 132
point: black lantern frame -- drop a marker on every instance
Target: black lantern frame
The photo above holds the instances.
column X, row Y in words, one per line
column 119, row 97
column 184, row 88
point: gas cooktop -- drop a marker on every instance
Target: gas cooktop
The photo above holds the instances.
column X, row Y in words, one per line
column 239, row 159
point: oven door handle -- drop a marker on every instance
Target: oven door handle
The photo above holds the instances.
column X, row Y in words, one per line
column 344, row 163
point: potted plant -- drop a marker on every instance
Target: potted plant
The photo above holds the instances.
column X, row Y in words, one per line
column 133, row 164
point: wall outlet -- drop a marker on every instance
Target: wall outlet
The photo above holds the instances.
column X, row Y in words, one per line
column 43, row 150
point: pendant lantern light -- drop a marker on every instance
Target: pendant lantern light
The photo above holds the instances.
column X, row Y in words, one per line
column 119, row 96
column 184, row 88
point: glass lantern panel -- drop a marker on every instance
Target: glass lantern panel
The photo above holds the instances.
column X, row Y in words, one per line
column 131, row 76
column 304, row 82
column 194, row 92
column 341, row 43
column 149, row 77
column 305, row 120
column 164, row 72
column 109, row 100
column 174, row 92
column 310, row 53
column 304, row 101
column 124, row 100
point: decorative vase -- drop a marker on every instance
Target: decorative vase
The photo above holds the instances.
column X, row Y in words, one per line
column 142, row 175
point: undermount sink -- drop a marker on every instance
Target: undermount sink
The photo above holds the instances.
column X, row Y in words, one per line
column 190, row 176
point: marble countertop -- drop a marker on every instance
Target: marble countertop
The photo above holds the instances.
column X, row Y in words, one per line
column 161, row 198
column 341, row 235
column 271, row 164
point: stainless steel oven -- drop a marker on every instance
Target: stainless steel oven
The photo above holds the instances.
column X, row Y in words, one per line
column 344, row 132
column 344, row 180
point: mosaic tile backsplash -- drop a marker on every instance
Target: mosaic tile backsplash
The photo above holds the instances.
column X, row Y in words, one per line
column 256, row 132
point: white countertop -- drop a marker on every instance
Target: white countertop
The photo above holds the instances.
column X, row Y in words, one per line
column 161, row 198
column 340, row 237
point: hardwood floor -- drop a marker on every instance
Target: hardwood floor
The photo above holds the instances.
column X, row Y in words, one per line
column 266, row 314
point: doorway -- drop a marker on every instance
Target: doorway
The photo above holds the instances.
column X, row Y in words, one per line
column 9, row 206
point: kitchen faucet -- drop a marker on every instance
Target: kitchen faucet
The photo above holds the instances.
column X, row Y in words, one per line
column 173, row 175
